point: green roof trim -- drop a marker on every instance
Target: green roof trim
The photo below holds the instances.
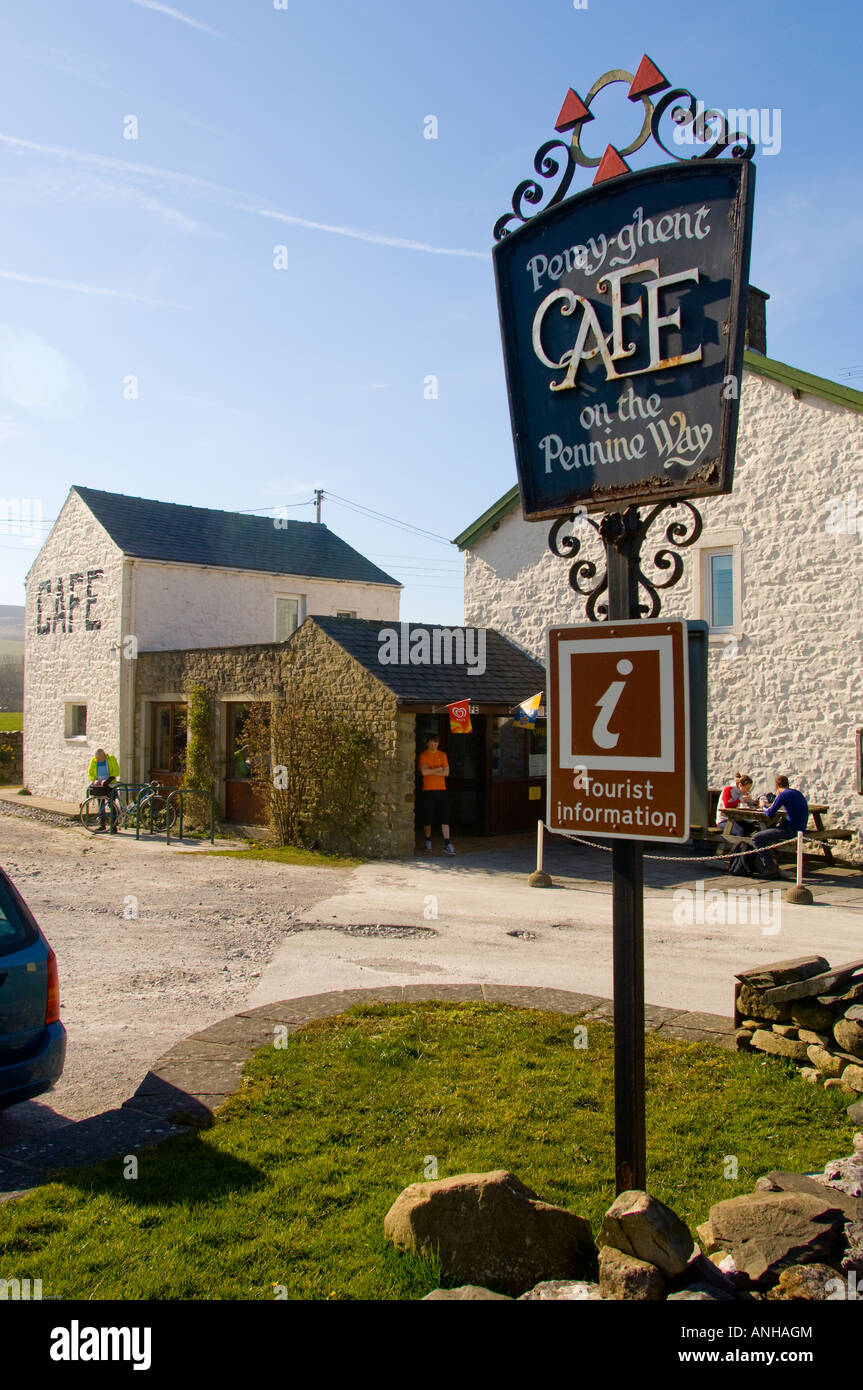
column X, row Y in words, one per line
column 488, row 520
column 803, row 381
column 755, row 362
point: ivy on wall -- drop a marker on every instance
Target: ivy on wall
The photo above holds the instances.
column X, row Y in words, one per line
column 199, row 770
column 313, row 767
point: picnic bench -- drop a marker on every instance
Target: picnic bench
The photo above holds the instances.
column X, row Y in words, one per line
column 818, row 832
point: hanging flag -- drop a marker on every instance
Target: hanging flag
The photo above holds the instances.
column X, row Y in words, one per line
column 528, row 711
column 459, row 718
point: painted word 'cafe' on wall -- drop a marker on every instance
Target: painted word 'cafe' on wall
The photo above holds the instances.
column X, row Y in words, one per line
column 131, row 603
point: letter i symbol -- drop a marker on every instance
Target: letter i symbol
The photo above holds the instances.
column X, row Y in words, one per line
column 602, row 736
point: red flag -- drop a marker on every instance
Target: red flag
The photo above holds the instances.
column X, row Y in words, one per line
column 459, row 718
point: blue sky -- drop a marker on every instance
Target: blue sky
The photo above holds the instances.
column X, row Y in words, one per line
column 259, row 127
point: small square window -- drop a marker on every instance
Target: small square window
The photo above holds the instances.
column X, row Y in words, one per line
column 345, row 613
column 75, row 720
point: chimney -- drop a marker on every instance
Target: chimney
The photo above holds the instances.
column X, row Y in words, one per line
column 756, row 320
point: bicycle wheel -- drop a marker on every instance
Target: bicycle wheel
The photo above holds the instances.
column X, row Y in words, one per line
column 91, row 813
column 164, row 814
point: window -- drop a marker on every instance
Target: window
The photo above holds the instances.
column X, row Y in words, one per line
column 169, row 737
column 15, row 931
column 508, row 751
column 345, row 613
column 75, row 720
column 719, row 589
column 287, row 617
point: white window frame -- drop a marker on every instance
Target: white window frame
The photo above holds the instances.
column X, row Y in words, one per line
column 722, row 542
column 68, row 706
column 299, row 600
column 346, row 613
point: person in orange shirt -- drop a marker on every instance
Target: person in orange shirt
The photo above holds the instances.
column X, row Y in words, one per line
column 434, row 770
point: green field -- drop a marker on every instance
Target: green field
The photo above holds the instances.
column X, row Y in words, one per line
column 10, row 722
column 289, row 1188
column 12, row 646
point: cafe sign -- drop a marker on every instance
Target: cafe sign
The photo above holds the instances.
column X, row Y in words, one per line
column 622, row 314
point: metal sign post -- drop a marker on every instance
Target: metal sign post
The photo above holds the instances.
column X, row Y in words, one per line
column 627, row 888
column 622, row 313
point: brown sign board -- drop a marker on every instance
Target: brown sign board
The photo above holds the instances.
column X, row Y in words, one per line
column 618, row 730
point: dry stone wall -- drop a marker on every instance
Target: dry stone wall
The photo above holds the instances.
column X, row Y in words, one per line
column 811, row 1014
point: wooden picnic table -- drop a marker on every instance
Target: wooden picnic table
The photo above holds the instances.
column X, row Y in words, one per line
column 816, row 811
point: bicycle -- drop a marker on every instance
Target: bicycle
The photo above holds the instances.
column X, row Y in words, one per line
column 148, row 807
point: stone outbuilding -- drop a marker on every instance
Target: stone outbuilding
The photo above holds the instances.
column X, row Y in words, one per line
column 395, row 682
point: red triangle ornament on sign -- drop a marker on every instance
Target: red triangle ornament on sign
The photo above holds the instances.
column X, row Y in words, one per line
column 610, row 166
column 572, row 113
column 647, row 80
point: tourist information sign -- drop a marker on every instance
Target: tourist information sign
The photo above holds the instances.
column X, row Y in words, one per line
column 618, row 730
column 622, row 313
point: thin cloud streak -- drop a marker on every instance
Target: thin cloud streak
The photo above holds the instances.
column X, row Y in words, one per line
column 178, row 15
column 378, row 238
column 234, row 198
column 48, row 283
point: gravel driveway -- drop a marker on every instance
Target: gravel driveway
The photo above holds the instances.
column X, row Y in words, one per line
column 131, row 985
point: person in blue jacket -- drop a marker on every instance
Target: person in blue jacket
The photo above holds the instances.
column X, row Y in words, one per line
column 796, row 811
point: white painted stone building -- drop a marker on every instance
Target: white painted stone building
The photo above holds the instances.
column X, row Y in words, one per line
column 777, row 572
column 120, row 575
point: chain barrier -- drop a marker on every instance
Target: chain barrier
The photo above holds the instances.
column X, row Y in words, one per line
column 688, row 858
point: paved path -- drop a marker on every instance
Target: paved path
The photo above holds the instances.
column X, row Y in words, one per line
column 467, row 910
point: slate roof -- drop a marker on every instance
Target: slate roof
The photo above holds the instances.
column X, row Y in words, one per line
column 150, row 530
column 510, row 675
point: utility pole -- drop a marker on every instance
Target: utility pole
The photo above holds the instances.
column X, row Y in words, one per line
column 319, row 496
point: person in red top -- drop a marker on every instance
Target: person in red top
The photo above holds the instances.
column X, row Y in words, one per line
column 732, row 799
column 434, row 770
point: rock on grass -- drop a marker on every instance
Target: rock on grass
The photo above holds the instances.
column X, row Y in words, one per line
column 489, row 1229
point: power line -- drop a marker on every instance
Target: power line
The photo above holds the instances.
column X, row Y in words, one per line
column 273, row 507
column 390, row 520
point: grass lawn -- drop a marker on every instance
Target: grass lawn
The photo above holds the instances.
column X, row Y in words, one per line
column 287, row 854
column 291, row 1184
column 10, row 722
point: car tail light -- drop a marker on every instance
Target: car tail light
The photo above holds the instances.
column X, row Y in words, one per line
column 52, row 1003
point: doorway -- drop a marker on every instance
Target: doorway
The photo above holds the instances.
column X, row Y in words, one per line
column 243, row 804
column 168, row 742
column 466, row 783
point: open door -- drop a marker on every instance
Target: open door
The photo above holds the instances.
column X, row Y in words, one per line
column 466, row 782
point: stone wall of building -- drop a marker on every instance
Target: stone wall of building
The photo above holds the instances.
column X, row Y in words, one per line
column 71, row 629
column 183, row 606
column 786, row 693
column 259, row 672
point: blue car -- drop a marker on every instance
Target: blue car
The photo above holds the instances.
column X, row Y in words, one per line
column 32, row 1038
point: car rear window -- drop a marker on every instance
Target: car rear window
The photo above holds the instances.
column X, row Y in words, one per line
column 15, row 931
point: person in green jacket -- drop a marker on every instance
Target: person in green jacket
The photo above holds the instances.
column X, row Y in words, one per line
column 103, row 773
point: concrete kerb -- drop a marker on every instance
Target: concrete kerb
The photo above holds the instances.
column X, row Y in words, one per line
column 189, row 1082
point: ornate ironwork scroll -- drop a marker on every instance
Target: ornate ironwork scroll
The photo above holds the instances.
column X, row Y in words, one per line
column 709, row 127
column 626, row 532
column 529, row 191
